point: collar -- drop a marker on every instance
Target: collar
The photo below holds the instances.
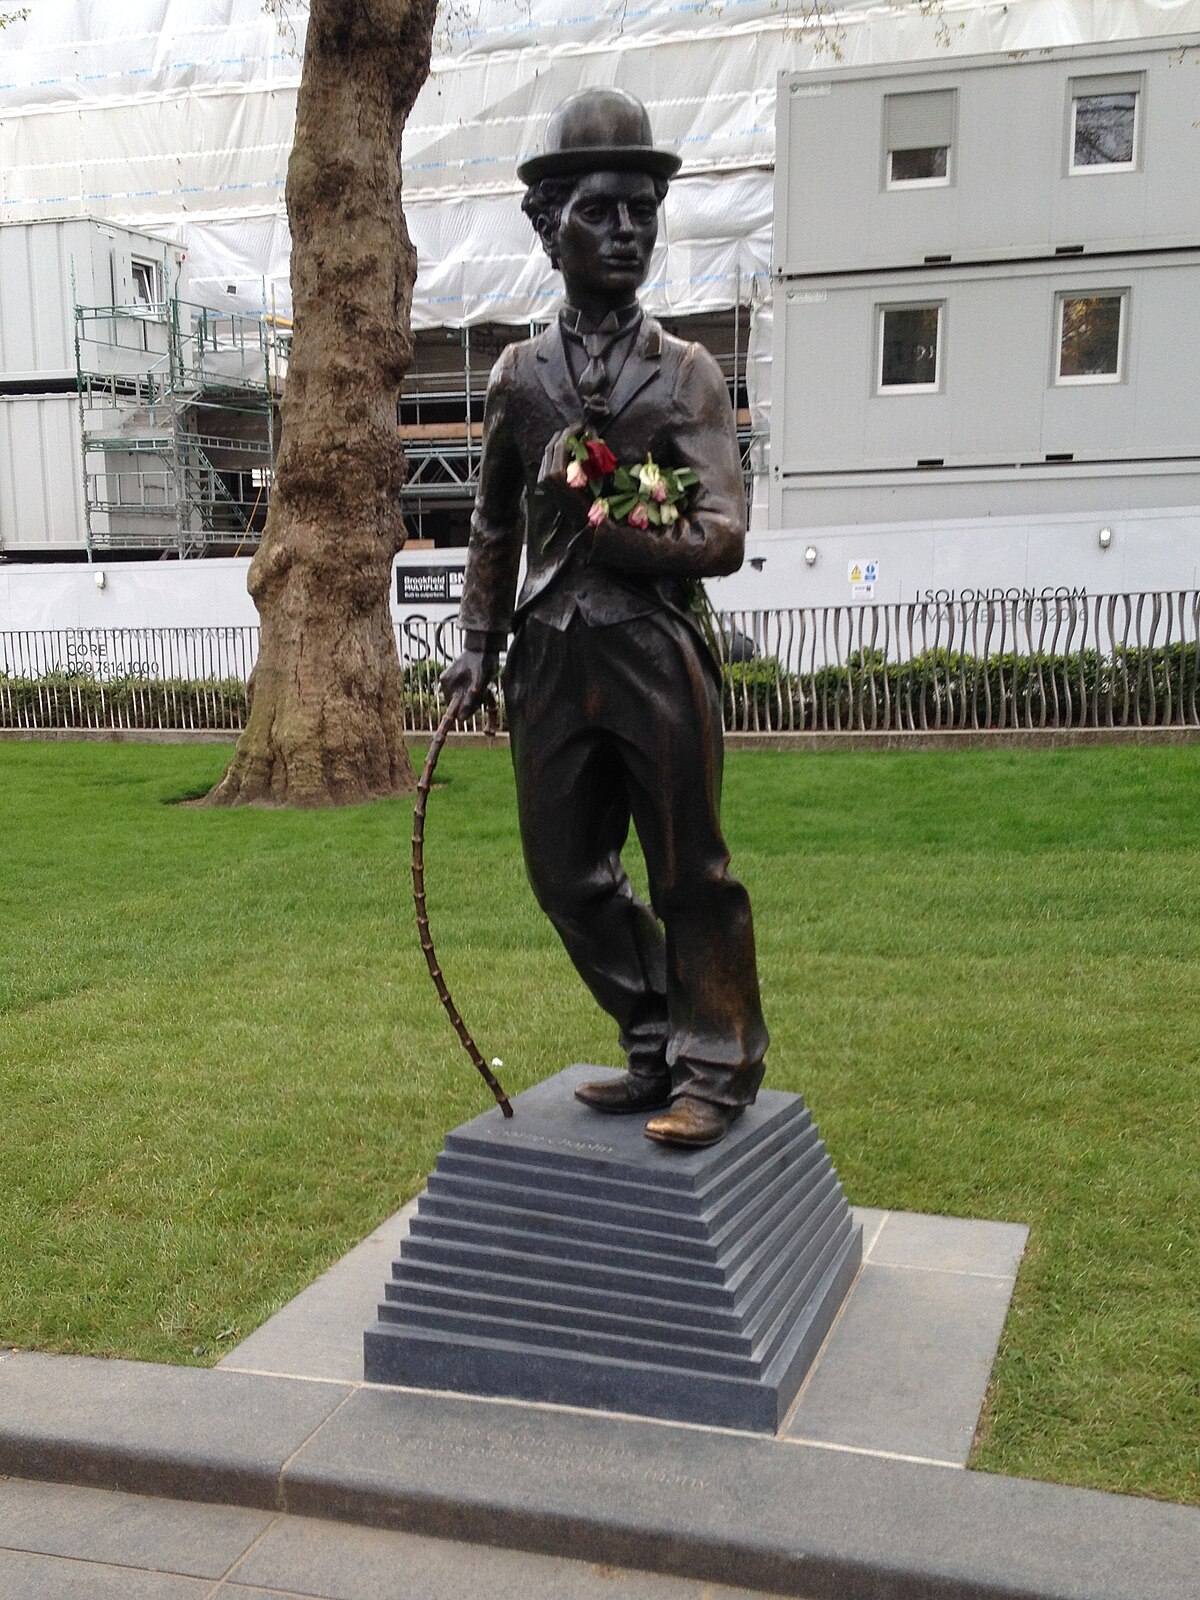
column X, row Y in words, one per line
column 622, row 319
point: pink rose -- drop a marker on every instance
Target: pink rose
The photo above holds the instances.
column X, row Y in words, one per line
column 576, row 476
column 659, row 492
column 639, row 517
column 598, row 512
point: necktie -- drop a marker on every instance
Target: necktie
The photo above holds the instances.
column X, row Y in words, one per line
column 593, row 382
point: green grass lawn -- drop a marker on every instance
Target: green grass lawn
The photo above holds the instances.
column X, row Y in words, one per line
column 222, row 1061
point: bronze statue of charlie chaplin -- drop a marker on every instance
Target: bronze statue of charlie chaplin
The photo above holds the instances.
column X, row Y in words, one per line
column 613, row 695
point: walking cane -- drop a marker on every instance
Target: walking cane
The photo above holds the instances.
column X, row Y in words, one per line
column 418, row 873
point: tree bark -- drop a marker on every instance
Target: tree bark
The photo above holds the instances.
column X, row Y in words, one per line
column 326, row 724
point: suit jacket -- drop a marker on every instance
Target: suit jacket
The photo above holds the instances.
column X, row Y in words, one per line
column 669, row 400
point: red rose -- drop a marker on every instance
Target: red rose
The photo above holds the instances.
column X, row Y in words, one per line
column 600, row 459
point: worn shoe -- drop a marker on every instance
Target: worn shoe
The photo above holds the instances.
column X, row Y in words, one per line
column 692, row 1123
column 625, row 1094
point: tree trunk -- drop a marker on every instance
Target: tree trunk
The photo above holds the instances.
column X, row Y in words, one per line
column 326, row 724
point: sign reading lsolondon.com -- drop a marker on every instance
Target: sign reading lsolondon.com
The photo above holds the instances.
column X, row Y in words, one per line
column 429, row 585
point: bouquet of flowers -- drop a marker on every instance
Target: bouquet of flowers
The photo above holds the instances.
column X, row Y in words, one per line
column 644, row 495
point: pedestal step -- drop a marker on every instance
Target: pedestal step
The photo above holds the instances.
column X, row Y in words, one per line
column 562, row 1256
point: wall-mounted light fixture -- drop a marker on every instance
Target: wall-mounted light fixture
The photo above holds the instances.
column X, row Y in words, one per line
column 758, row 562
column 810, row 556
column 1105, row 538
column 99, row 580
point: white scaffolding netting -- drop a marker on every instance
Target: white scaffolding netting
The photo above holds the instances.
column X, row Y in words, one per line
column 175, row 117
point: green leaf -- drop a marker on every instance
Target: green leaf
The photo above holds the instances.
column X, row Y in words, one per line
column 621, row 505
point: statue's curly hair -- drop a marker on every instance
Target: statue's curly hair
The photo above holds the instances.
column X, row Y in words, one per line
column 544, row 201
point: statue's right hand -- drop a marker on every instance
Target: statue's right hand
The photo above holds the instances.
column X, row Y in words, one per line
column 465, row 682
column 552, row 474
column 553, row 471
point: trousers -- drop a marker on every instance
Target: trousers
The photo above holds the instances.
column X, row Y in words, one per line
column 621, row 723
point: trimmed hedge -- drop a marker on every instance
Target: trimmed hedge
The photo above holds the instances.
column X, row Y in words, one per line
column 77, row 700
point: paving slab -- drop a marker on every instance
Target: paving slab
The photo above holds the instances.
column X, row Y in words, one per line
column 906, row 1368
column 319, row 1334
column 323, row 1558
column 31, row 1577
column 187, row 1539
column 235, row 1591
column 793, row 1519
column 909, row 1367
column 95, row 1541
column 178, row 1431
column 949, row 1244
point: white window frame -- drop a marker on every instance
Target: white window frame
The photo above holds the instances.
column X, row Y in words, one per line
column 1087, row 379
column 882, row 308
column 920, row 183
column 1093, row 169
column 931, row 130
column 154, row 271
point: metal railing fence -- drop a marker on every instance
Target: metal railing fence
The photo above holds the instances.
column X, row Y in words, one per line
column 1032, row 662
column 181, row 679
column 1025, row 663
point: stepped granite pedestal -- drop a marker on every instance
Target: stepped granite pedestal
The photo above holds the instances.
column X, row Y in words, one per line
column 562, row 1256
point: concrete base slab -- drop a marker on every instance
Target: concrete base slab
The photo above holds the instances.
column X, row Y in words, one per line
column 837, row 1510
column 903, row 1372
column 713, row 1506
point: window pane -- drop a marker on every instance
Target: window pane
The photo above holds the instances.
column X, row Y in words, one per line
column 1104, row 129
column 1091, row 336
column 910, row 336
column 911, row 166
column 143, row 282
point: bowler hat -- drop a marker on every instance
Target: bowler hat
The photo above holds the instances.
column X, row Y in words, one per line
column 598, row 130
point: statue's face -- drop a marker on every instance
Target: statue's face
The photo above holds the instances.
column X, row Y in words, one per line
column 605, row 236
